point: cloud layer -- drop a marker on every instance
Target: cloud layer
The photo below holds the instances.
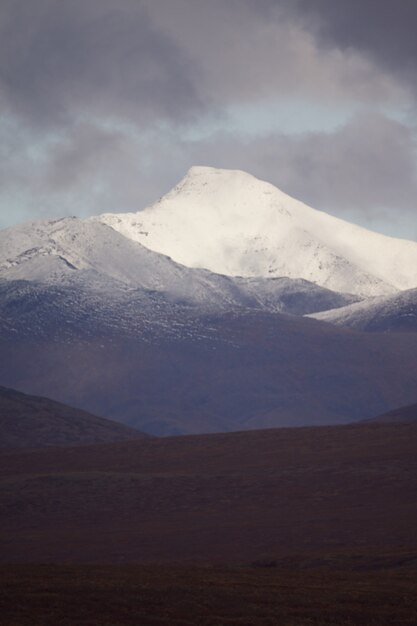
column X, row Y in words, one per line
column 106, row 103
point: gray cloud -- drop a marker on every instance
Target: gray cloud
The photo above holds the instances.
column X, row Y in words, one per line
column 97, row 97
column 85, row 169
column 366, row 167
column 254, row 51
column 385, row 29
column 151, row 60
column 63, row 59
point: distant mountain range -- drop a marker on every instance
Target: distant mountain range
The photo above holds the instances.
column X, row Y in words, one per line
column 94, row 313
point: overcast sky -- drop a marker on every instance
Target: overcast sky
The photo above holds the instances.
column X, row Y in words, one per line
column 105, row 104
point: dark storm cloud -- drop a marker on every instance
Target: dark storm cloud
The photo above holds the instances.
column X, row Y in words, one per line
column 252, row 51
column 106, row 58
column 152, row 61
column 383, row 29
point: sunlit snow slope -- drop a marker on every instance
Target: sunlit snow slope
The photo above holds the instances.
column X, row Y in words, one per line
column 384, row 313
column 88, row 255
column 232, row 223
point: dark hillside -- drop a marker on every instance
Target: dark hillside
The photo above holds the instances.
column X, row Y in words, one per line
column 201, row 374
column 34, row 422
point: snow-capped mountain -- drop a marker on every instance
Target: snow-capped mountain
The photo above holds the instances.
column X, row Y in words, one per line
column 94, row 256
column 232, row 223
column 384, row 313
column 125, row 316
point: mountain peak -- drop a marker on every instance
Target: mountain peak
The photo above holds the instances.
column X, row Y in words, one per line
column 205, row 179
column 232, row 223
column 207, row 171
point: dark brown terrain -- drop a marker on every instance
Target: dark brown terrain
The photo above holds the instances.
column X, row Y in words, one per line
column 231, row 497
column 292, row 527
column 379, row 594
column 34, row 422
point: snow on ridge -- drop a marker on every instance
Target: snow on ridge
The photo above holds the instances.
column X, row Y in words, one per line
column 95, row 256
column 225, row 221
column 232, row 223
column 379, row 313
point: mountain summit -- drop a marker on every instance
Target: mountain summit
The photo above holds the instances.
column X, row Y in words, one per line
column 230, row 222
